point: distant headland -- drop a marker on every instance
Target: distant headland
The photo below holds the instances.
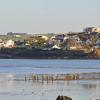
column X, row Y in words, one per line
column 71, row 45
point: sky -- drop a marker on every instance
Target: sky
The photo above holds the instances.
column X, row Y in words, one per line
column 47, row 16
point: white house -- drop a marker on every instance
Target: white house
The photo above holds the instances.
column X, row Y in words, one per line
column 1, row 43
column 53, row 37
column 9, row 44
column 92, row 29
column 56, row 47
column 66, row 37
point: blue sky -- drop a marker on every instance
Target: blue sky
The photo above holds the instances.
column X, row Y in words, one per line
column 41, row 16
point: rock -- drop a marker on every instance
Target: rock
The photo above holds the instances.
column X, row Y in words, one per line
column 63, row 98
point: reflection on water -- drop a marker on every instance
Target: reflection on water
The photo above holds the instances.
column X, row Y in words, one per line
column 11, row 89
column 27, row 90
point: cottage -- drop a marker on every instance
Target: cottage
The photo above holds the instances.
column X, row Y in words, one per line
column 9, row 44
column 56, row 47
column 92, row 29
column 20, row 44
column 1, row 43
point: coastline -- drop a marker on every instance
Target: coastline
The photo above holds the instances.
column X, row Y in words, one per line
column 48, row 58
column 9, row 53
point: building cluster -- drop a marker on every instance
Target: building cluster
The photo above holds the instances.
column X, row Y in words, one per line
column 92, row 29
column 88, row 40
column 7, row 43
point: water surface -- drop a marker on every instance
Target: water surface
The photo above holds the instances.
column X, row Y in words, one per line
column 48, row 66
column 29, row 90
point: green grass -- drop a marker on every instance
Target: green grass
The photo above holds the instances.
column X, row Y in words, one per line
column 14, row 38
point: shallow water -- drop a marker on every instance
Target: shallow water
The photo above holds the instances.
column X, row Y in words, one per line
column 48, row 66
column 21, row 90
column 29, row 90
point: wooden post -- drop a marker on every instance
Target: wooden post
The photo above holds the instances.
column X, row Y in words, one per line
column 57, row 77
column 25, row 78
column 47, row 79
column 52, row 79
column 42, row 79
column 37, row 78
column 33, row 77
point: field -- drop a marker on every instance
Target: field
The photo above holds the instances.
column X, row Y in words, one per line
column 13, row 37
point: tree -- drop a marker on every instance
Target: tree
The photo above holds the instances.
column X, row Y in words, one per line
column 36, row 41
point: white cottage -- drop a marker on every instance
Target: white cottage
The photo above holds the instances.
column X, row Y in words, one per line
column 9, row 44
column 56, row 47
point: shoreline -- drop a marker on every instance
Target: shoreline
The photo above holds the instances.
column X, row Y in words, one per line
column 51, row 58
column 13, row 53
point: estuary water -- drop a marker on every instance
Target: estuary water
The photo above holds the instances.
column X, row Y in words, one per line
column 20, row 66
column 29, row 90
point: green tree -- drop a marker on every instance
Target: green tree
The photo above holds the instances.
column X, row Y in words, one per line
column 36, row 41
